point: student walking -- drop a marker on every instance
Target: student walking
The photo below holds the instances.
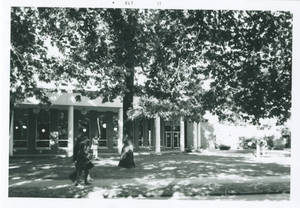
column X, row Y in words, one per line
column 82, row 161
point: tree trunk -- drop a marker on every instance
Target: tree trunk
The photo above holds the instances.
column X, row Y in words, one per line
column 128, row 103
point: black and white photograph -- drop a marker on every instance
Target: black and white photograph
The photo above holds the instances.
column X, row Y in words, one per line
column 150, row 103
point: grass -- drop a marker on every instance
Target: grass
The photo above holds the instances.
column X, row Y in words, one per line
column 167, row 175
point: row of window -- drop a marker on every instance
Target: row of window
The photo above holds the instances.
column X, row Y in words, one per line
column 45, row 137
column 55, row 133
column 39, row 122
column 171, row 135
column 84, row 123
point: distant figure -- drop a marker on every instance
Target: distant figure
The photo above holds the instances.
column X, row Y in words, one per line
column 95, row 147
column 263, row 146
column 82, row 161
column 127, row 160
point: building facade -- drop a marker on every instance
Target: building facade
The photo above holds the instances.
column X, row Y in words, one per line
column 35, row 129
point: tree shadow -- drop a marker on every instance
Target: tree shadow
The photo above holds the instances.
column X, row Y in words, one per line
column 59, row 191
column 21, row 169
column 172, row 165
column 167, row 175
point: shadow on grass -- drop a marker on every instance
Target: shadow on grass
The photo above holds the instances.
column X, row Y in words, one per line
column 173, row 165
column 143, row 191
column 149, row 166
column 66, row 191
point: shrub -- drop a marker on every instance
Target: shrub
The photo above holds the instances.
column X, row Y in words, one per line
column 247, row 143
column 279, row 147
column 286, row 136
column 189, row 149
column 279, row 144
column 224, row 147
column 270, row 142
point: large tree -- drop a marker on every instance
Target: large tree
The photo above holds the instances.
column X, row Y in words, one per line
column 244, row 55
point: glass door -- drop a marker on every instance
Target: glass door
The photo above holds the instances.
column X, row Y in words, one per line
column 83, row 126
column 176, row 135
column 172, row 134
column 168, row 134
column 43, row 130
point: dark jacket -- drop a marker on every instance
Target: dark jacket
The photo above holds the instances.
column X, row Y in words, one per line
column 81, row 155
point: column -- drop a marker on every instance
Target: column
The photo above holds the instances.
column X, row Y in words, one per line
column 182, row 134
column 70, row 130
column 195, row 146
column 157, row 134
column 11, row 133
column 120, row 132
column 199, row 134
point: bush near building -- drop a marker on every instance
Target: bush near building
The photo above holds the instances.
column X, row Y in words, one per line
column 286, row 135
column 224, row 147
column 271, row 142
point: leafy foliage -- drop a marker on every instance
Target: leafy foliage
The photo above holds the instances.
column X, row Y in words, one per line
column 236, row 64
column 28, row 54
column 251, row 64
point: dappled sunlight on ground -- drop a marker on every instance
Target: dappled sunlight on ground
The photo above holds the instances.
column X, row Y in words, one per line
column 169, row 168
column 173, row 175
column 16, row 166
column 106, row 162
column 151, row 167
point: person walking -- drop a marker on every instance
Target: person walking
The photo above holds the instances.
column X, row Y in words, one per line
column 127, row 159
column 95, row 147
column 82, row 161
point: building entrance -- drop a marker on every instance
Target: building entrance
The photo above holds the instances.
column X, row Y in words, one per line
column 172, row 134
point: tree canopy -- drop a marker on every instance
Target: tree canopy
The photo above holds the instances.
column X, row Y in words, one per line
column 235, row 64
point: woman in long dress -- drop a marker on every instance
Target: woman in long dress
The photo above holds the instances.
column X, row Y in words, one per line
column 127, row 160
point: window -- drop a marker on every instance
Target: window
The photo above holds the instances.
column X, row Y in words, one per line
column 102, row 131
column 103, row 137
column 176, row 136
column 171, row 134
column 141, row 133
column 168, row 134
column 62, row 128
column 21, row 120
column 150, row 133
column 43, row 129
column 115, row 130
column 83, row 126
